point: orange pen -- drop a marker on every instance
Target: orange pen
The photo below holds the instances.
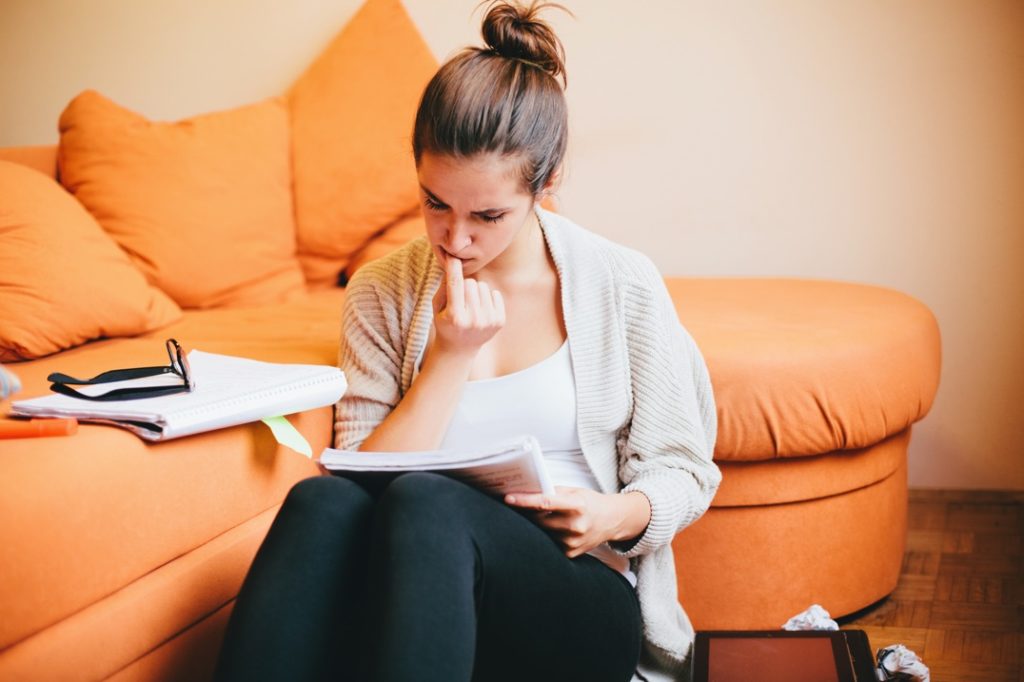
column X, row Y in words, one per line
column 32, row 428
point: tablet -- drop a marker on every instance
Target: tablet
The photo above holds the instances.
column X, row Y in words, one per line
column 782, row 656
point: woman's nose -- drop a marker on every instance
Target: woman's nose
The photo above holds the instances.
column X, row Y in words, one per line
column 458, row 238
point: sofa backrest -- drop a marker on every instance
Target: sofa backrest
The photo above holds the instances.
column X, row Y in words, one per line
column 40, row 157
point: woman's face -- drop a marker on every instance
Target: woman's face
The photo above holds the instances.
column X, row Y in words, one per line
column 474, row 207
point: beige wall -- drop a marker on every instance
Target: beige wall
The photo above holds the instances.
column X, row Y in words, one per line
column 876, row 142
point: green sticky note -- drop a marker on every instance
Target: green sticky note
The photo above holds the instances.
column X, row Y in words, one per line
column 288, row 436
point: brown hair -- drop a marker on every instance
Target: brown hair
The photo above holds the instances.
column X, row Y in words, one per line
column 504, row 98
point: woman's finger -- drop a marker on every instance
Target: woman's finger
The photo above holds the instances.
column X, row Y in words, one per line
column 472, row 298
column 552, row 523
column 455, row 284
column 498, row 303
column 536, row 501
column 486, row 303
column 526, row 500
column 440, row 298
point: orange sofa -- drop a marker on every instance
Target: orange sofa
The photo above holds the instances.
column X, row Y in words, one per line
column 121, row 559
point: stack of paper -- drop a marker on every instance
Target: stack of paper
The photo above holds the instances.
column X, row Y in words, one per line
column 228, row 391
column 515, row 466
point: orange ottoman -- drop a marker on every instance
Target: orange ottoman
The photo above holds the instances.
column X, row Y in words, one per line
column 817, row 385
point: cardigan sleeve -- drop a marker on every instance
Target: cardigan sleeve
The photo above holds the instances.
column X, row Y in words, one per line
column 369, row 358
column 666, row 450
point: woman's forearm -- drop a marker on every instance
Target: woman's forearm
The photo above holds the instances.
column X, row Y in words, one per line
column 421, row 418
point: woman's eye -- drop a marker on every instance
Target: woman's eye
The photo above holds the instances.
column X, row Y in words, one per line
column 492, row 218
column 433, row 205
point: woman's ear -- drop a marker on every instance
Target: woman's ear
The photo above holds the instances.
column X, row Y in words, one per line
column 547, row 197
column 549, row 187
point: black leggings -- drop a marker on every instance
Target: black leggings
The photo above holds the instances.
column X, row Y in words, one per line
column 423, row 578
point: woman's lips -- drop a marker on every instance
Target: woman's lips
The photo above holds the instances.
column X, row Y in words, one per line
column 446, row 252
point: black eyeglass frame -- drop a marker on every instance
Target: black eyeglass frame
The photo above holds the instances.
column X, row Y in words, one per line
column 178, row 366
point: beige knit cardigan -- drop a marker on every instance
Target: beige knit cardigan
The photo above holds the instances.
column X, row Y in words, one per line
column 645, row 410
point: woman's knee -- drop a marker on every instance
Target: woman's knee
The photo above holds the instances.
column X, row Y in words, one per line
column 423, row 500
column 327, row 496
column 418, row 483
column 421, row 489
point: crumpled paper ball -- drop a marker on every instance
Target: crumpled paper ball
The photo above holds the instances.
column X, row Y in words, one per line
column 897, row 658
column 814, row 618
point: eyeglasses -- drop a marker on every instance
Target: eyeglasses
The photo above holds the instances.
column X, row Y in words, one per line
column 178, row 366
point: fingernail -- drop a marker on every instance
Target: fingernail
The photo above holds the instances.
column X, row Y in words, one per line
column 511, row 499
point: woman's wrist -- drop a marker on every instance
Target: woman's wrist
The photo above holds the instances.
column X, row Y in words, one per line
column 634, row 516
column 454, row 364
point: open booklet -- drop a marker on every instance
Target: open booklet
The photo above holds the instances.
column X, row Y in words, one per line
column 228, row 390
column 510, row 466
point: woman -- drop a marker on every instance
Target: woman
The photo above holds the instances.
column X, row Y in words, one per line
column 504, row 319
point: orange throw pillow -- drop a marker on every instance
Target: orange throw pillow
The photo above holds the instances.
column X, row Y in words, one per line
column 63, row 281
column 394, row 237
column 352, row 118
column 202, row 206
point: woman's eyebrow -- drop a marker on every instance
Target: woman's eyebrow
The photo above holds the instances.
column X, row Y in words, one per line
column 437, row 200
column 433, row 197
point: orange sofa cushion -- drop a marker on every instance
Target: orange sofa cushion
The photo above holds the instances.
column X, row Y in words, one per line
column 754, row 566
column 63, row 281
column 202, row 206
column 123, row 512
column 352, row 117
column 802, row 367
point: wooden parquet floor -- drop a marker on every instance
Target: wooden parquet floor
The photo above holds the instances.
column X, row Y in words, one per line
column 960, row 600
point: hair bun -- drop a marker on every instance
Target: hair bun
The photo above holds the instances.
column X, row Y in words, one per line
column 517, row 32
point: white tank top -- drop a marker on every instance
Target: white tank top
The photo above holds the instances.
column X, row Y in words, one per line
column 539, row 400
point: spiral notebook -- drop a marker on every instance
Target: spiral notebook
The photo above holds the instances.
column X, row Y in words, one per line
column 228, row 391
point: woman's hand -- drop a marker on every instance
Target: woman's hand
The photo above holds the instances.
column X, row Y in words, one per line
column 582, row 519
column 467, row 312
